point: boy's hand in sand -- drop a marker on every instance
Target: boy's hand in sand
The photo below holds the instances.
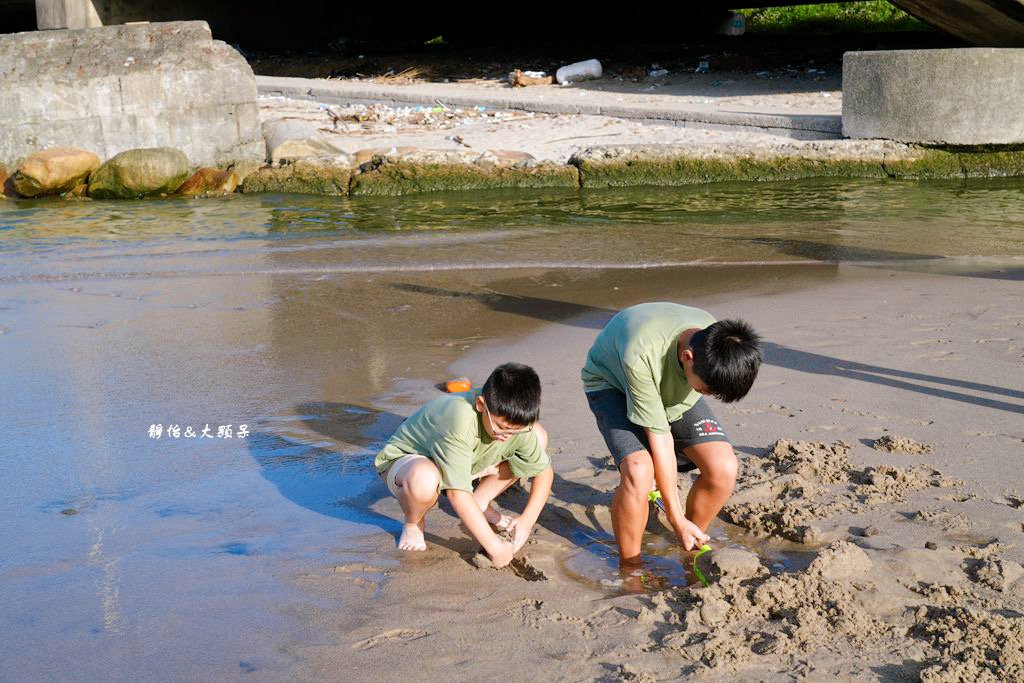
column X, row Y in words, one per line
column 689, row 534
column 520, row 529
column 501, row 554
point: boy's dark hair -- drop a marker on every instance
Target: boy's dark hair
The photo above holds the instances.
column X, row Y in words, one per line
column 726, row 355
column 512, row 392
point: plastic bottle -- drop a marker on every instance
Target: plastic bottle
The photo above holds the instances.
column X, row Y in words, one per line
column 735, row 25
column 580, row 71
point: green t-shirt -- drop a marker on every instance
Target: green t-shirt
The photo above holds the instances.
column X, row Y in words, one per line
column 450, row 431
column 637, row 354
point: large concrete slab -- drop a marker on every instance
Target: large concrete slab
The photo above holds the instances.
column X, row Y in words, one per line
column 115, row 88
column 954, row 97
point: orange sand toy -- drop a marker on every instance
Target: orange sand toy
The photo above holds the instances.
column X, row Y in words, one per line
column 457, row 386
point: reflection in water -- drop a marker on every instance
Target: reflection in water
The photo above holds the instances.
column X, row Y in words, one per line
column 336, row 479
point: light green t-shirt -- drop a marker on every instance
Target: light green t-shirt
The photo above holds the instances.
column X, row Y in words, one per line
column 637, row 354
column 450, row 431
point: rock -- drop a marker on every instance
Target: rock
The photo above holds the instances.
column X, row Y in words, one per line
column 363, row 155
column 53, row 171
column 841, row 561
column 730, row 563
column 6, row 189
column 871, row 531
column 288, row 139
column 209, row 182
column 140, row 173
column 327, row 176
column 113, row 88
column 931, row 545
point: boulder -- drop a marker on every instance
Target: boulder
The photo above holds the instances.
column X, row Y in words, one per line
column 139, row 173
column 289, row 139
column 53, row 171
column 209, row 182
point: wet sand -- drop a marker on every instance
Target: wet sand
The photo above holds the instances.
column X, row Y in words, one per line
column 878, row 565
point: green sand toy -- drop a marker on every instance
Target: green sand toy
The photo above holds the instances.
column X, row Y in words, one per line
column 655, row 497
column 696, row 570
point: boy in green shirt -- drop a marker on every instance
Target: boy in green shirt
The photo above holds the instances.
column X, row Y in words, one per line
column 491, row 436
column 645, row 378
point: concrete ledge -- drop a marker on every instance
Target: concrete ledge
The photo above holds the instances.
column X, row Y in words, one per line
column 427, row 171
column 967, row 97
column 624, row 166
column 797, row 126
column 401, row 173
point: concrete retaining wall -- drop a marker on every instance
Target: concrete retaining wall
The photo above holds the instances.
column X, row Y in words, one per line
column 959, row 97
column 115, row 88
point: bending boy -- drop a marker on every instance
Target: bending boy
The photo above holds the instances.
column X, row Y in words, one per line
column 491, row 436
column 644, row 379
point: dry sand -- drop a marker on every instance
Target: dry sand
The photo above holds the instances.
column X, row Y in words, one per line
column 911, row 562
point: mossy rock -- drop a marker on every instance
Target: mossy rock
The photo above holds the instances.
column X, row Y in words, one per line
column 139, row 173
column 301, row 177
column 398, row 177
column 53, row 171
column 209, row 182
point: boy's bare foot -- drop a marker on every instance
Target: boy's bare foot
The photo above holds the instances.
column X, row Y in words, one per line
column 412, row 538
column 496, row 519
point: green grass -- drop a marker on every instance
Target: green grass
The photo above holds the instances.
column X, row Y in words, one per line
column 840, row 17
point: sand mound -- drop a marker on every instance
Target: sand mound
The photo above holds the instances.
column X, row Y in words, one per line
column 972, row 644
column 730, row 564
column 730, row 623
column 887, row 484
column 846, row 602
column 891, row 443
column 829, row 464
column 797, row 482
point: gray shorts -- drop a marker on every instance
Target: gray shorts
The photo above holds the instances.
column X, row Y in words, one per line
column 697, row 425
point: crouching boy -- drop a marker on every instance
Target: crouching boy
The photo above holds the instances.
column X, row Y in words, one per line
column 645, row 379
column 489, row 438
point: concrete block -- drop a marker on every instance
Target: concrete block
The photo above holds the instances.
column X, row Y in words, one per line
column 956, row 97
column 116, row 88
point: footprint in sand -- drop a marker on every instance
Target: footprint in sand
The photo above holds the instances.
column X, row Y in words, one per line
column 403, row 635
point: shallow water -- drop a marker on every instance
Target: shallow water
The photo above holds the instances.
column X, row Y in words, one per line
column 318, row 323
